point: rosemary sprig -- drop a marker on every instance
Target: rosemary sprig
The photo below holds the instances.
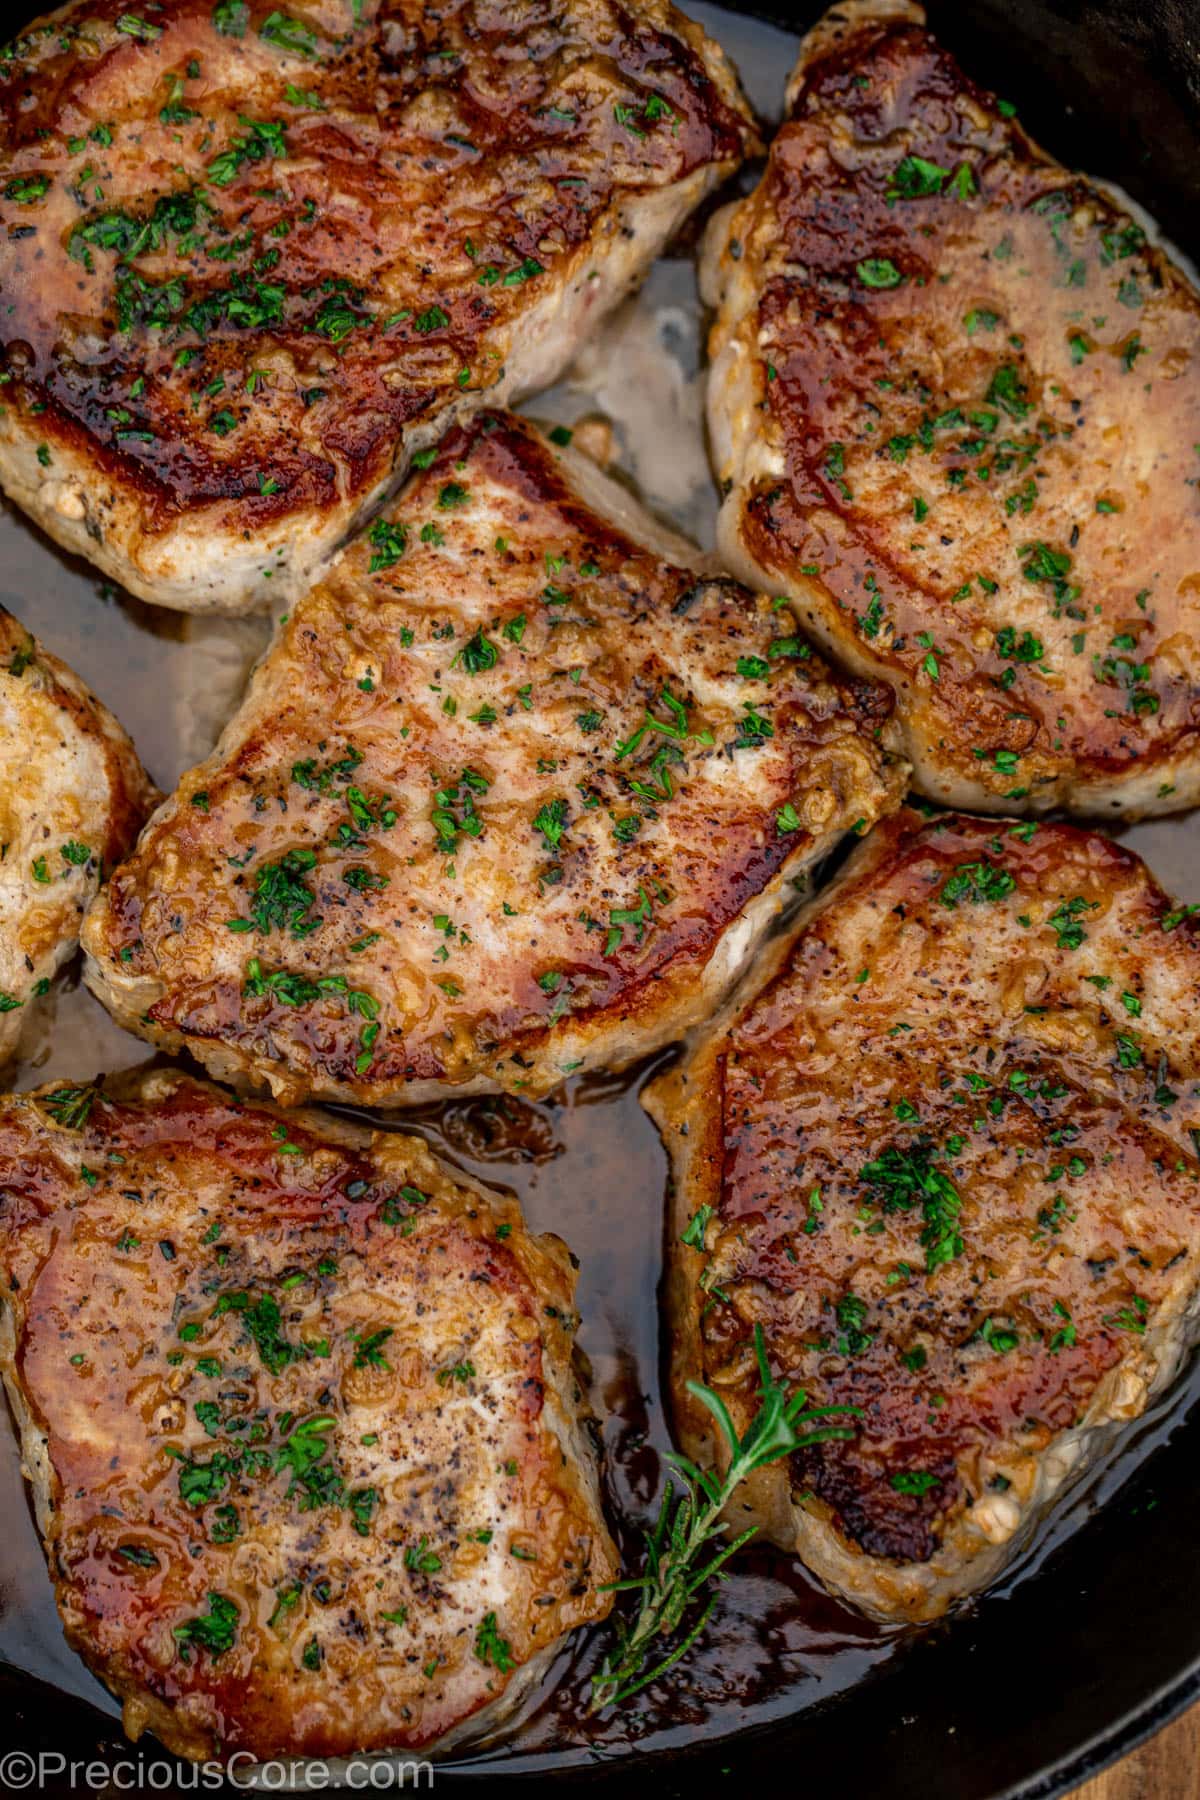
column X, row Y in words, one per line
column 677, row 1568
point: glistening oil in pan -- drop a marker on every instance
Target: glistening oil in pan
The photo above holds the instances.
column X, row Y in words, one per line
column 588, row 1164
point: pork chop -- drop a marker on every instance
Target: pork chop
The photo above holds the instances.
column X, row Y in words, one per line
column 299, row 1414
column 954, row 404
column 72, row 796
column 255, row 259
column 946, row 1156
column 514, row 793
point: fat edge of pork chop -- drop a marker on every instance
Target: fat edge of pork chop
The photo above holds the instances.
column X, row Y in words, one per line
column 515, row 793
column 942, row 1149
column 72, row 796
column 953, row 404
column 298, row 1408
column 231, row 323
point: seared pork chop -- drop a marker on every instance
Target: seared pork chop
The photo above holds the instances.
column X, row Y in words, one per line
column 298, row 1409
column 72, row 796
column 515, row 792
column 954, row 402
column 946, row 1156
column 254, row 260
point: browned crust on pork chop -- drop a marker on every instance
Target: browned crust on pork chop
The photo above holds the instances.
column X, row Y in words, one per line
column 945, row 1156
column 514, row 793
column 955, row 404
column 72, row 796
column 298, row 1409
column 252, row 259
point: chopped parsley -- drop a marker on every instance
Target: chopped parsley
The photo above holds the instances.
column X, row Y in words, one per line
column 901, row 1179
column 976, row 882
column 214, row 1631
column 491, row 1648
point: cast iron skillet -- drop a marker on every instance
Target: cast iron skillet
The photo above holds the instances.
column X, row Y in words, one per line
column 1035, row 1689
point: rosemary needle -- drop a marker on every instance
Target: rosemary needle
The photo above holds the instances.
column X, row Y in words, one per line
column 686, row 1548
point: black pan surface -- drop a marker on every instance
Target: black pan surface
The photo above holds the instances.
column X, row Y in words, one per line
column 1095, row 1641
